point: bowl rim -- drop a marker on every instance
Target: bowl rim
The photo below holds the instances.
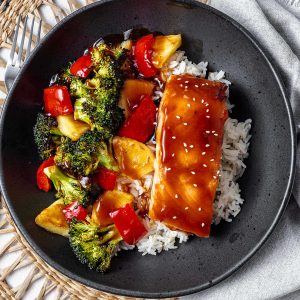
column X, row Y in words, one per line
column 182, row 292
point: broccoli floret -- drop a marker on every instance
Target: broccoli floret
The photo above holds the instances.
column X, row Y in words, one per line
column 46, row 135
column 93, row 246
column 81, row 158
column 105, row 156
column 78, row 88
column 107, row 63
column 102, row 116
column 67, row 187
column 97, row 97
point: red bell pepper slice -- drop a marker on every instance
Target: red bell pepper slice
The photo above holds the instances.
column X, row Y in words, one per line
column 82, row 66
column 128, row 224
column 106, row 178
column 43, row 182
column 143, row 56
column 141, row 124
column 57, row 101
column 75, row 210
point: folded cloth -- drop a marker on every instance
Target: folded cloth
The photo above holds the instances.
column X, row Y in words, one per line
column 274, row 272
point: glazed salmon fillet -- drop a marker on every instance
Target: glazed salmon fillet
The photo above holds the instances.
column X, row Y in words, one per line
column 189, row 137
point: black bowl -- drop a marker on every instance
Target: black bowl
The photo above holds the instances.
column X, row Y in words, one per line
column 256, row 91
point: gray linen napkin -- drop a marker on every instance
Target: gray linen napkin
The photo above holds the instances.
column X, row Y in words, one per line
column 274, row 272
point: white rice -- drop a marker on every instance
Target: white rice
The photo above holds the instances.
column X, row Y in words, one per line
column 228, row 199
column 234, row 150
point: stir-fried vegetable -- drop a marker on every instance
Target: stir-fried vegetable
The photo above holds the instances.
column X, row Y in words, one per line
column 93, row 246
column 128, row 224
column 68, row 188
column 83, row 157
column 43, row 182
column 57, row 101
column 75, row 210
column 141, row 124
column 46, row 134
column 82, row 66
column 99, row 95
column 108, row 202
column 135, row 159
column 143, row 56
column 106, row 178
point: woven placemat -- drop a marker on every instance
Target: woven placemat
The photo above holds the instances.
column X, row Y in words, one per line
column 25, row 255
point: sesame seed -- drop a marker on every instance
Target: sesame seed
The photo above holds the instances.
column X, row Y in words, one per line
column 199, row 208
column 214, row 177
column 196, row 85
column 203, row 153
column 204, row 165
column 162, row 209
column 176, row 218
column 186, row 150
column 185, row 96
column 174, row 137
column 179, row 78
column 186, row 87
column 202, row 224
column 207, row 117
column 192, row 146
column 207, row 110
column 213, row 131
column 186, row 208
column 207, row 131
column 212, row 159
column 194, row 99
column 176, row 196
column 193, row 172
column 207, row 145
column 178, row 117
column 215, row 134
column 218, row 172
column 188, row 105
column 181, row 85
column 185, row 144
column 185, row 124
column 195, row 185
column 169, row 169
column 186, row 81
column 202, row 101
column 154, row 123
column 173, row 154
column 206, row 104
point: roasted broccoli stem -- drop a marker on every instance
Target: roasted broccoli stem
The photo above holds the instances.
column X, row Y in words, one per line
column 81, row 158
column 68, row 188
column 93, row 246
column 46, row 135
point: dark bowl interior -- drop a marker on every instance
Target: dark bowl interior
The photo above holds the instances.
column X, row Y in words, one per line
column 257, row 93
